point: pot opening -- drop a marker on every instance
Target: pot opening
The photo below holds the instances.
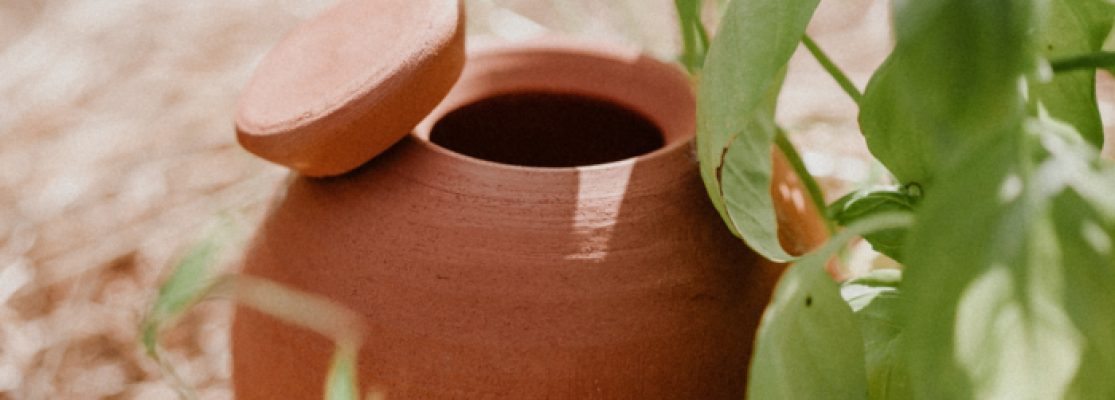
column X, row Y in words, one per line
column 540, row 129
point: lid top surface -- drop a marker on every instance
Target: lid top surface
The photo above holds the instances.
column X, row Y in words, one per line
column 343, row 54
column 338, row 67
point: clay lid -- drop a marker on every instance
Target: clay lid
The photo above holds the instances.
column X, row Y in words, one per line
column 350, row 82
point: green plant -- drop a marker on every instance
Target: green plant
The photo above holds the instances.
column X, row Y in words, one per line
column 194, row 279
column 1003, row 215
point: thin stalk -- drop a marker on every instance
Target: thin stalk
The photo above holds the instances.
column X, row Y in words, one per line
column 694, row 37
column 832, row 69
column 815, row 194
column 702, row 35
column 1099, row 59
column 185, row 390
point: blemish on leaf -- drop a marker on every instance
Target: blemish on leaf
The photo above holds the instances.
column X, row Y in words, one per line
column 720, row 167
column 808, row 301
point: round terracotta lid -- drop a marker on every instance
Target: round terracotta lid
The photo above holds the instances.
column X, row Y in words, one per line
column 350, row 82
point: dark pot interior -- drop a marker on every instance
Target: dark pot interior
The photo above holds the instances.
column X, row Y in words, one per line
column 541, row 129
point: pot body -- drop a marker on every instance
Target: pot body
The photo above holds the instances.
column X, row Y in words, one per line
column 484, row 280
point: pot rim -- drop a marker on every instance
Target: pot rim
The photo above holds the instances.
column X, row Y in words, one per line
column 665, row 151
column 676, row 140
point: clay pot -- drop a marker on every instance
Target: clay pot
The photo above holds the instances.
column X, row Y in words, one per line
column 483, row 279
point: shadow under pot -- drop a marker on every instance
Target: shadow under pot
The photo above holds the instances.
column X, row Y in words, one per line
column 544, row 233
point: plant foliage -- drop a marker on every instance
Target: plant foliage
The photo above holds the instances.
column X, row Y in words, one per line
column 194, row 279
column 985, row 112
column 876, row 301
column 809, row 331
column 745, row 66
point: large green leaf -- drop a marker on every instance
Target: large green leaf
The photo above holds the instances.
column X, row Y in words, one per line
column 809, row 345
column 1074, row 27
column 947, row 250
column 952, row 81
column 1009, row 276
column 735, row 113
column 899, row 137
column 1080, row 219
column 1086, row 255
column 878, row 304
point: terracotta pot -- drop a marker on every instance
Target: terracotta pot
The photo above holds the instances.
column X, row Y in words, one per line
column 481, row 279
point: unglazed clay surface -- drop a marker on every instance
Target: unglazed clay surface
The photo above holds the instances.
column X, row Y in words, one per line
column 482, row 280
column 351, row 82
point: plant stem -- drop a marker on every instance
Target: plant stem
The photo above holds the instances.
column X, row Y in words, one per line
column 185, row 390
column 1099, row 59
column 702, row 35
column 816, row 195
column 694, row 37
column 832, row 69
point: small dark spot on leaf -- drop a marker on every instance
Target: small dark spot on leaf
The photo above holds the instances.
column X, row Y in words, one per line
column 808, row 301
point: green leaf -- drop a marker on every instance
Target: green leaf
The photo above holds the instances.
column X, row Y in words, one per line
column 742, row 77
column 188, row 281
column 863, row 203
column 951, row 82
column 1086, row 238
column 340, row 383
column 1009, row 274
column 947, row 249
column 1095, row 17
column 898, row 136
column 878, row 305
column 1080, row 222
column 1074, row 27
column 187, row 284
column 809, row 345
column 958, row 225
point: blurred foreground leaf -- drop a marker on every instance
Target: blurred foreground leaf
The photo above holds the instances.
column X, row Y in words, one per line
column 1010, row 295
column 1071, row 28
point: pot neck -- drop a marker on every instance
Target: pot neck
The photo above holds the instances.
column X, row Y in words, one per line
column 419, row 160
column 658, row 91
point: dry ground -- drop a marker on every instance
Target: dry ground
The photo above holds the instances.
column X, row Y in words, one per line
column 117, row 153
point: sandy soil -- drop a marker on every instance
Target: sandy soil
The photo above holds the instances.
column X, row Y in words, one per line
column 118, row 153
